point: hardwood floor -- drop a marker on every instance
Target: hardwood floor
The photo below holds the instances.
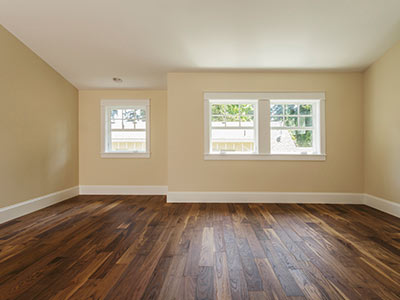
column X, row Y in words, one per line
column 139, row 247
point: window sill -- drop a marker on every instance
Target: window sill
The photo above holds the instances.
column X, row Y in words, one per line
column 309, row 157
column 124, row 155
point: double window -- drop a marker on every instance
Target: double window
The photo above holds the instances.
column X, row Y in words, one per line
column 125, row 128
column 284, row 126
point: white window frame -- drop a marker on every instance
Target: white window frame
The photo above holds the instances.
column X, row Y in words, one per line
column 262, row 124
column 106, row 106
column 255, row 126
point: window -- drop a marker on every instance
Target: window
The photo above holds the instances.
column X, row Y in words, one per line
column 293, row 127
column 280, row 126
column 125, row 128
column 233, row 127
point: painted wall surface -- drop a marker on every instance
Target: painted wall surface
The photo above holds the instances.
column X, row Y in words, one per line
column 382, row 129
column 39, row 130
column 341, row 172
column 94, row 170
column 38, row 125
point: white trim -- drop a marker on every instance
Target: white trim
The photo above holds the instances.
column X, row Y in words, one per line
column 124, row 155
column 232, row 101
column 322, row 126
column 255, row 156
column 208, row 124
column 264, row 142
column 381, row 204
column 318, row 119
column 14, row 211
column 123, row 190
column 17, row 210
column 266, row 95
column 263, row 197
column 390, row 207
column 207, row 127
column 148, row 127
column 106, row 104
column 125, row 102
column 262, row 122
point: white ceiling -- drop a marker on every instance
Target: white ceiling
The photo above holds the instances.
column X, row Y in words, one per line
column 91, row 41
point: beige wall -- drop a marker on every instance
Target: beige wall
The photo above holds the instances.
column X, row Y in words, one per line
column 94, row 170
column 39, row 130
column 341, row 172
column 38, row 125
column 382, row 129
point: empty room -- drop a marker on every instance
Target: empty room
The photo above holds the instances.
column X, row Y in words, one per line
column 184, row 149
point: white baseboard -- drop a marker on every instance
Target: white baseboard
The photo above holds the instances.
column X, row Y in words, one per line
column 381, row 204
column 17, row 210
column 14, row 211
column 384, row 205
column 264, row 197
column 123, row 190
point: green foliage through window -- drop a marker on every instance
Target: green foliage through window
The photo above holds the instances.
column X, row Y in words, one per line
column 302, row 138
column 230, row 113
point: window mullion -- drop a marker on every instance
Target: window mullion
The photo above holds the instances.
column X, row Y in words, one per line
column 263, row 124
column 148, row 128
column 207, row 126
column 109, row 145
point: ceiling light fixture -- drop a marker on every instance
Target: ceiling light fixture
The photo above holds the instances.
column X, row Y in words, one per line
column 117, row 79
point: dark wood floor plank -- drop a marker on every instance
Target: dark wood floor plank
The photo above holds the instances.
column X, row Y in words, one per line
column 281, row 270
column 205, row 283
column 376, row 255
column 271, row 284
column 174, row 279
column 192, row 262
column 207, row 248
column 221, row 275
column 238, row 285
column 250, row 271
column 158, row 277
column 254, row 243
column 140, row 247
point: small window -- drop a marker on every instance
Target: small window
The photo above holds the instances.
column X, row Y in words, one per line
column 233, row 127
column 125, row 128
column 264, row 126
column 293, row 126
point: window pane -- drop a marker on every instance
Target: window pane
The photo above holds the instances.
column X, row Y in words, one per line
column 276, row 109
column 232, row 109
column 232, row 134
column 217, row 109
column 129, row 124
column 247, row 109
column 306, row 109
column 291, row 141
column 276, row 121
column 233, row 140
column 116, row 114
column 133, row 119
column 129, row 114
column 141, row 124
column 217, row 121
column 141, row 114
column 302, row 138
column 291, row 121
column 128, row 141
column 116, row 124
column 306, row 122
column 134, row 114
column 291, row 109
column 232, row 120
column 247, row 121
